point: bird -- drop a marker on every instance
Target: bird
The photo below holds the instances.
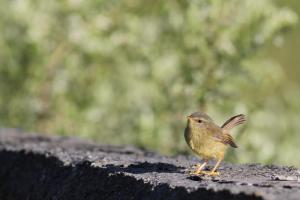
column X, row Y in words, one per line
column 208, row 140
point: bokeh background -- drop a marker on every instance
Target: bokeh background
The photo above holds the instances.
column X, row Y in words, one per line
column 128, row 72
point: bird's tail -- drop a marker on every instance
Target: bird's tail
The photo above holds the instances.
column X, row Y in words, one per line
column 234, row 121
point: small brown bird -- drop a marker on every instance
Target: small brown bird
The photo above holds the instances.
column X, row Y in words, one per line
column 208, row 140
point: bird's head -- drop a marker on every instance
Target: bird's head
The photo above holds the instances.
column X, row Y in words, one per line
column 199, row 120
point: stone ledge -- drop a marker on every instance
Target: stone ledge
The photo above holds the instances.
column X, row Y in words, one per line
column 37, row 167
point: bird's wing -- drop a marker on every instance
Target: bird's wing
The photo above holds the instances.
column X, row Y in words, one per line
column 234, row 121
column 219, row 135
column 228, row 139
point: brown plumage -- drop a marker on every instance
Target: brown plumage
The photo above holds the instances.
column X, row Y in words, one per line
column 208, row 140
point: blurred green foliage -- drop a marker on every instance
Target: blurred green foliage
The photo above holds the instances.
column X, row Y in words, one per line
column 130, row 71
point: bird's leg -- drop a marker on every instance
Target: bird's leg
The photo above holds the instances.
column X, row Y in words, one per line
column 213, row 171
column 198, row 168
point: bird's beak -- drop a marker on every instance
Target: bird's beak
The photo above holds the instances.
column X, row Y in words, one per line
column 188, row 117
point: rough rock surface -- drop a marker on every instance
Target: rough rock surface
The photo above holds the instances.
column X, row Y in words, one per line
column 38, row 167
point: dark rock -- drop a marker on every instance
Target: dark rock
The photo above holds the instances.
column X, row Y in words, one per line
column 37, row 167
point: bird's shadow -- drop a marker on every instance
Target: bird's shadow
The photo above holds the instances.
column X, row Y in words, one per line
column 146, row 167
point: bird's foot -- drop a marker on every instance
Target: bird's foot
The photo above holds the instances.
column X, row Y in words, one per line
column 197, row 171
column 194, row 173
column 210, row 173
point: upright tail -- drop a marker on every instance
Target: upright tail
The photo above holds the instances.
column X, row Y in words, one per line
column 234, row 121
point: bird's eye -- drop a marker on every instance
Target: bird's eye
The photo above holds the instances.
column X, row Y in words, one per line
column 199, row 120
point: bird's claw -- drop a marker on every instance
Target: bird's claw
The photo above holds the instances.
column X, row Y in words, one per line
column 194, row 173
column 209, row 173
column 214, row 173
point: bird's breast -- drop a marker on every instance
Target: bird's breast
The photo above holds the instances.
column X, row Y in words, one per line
column 203, row 144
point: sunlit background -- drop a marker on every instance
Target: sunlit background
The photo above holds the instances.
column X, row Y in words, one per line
column 128, row 72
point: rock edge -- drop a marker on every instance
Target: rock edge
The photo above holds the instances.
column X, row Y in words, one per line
column 41, row 167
